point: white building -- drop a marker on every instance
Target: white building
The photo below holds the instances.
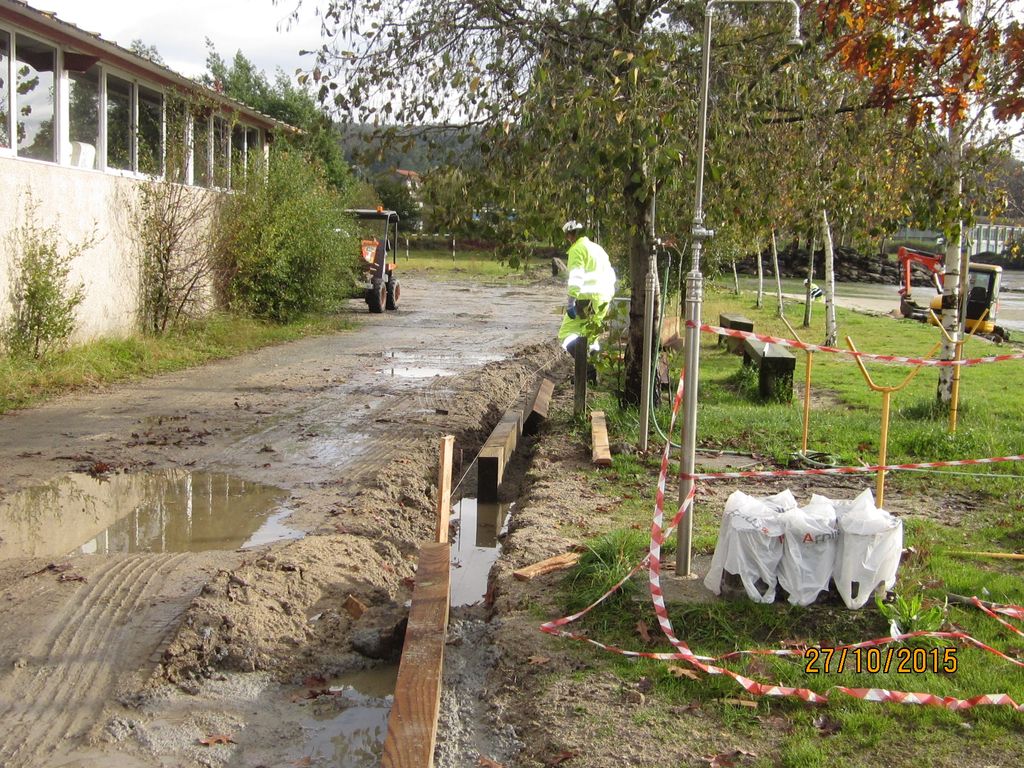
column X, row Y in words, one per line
column 82, row 123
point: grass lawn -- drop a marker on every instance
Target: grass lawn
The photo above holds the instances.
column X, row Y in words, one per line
column 981, row 510
column 479, row 265
column 26, row 382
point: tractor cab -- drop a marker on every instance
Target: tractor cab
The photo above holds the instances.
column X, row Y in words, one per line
column 982, row 295
column 378, row 239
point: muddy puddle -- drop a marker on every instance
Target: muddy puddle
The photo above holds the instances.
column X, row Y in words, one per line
column 476, row 545
column 168, row 511
column 347, row 726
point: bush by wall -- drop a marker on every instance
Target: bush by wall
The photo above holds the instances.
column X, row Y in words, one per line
column 279, row 253
column 43, row 300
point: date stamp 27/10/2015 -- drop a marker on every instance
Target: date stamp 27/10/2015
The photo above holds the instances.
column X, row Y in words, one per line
column 900, row 660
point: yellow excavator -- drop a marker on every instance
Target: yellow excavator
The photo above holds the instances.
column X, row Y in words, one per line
column 982, row 293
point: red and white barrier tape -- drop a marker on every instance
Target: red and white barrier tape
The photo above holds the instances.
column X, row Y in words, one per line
column 753, row 687
column 850, row 470
column 899, row 359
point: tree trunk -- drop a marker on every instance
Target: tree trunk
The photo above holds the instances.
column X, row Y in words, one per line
column 640, row 240
column 808, row 284
column 831, row 331
column 778, row 277
column 951, row 290
column 760, row 279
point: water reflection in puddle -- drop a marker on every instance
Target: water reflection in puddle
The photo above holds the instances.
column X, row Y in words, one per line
column 418, row 372
column 348, row 727
column 169, row 511
column 475, row 547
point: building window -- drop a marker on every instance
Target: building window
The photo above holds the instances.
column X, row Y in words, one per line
column 5, row 90
column 35, row 64
column 201, row 149
column 221, row 153
column 151, row 131
column 84, row 116
column 237, row 154
column 120, row 99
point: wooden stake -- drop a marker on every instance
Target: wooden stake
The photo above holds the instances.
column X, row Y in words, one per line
column 444, row 487
column 412, row 725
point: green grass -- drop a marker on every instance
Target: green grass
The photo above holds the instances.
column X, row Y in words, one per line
column 982, row 512
column 482, row 265
column 26, row 382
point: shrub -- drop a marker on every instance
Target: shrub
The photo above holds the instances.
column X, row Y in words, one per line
column 43, row 302
column 280, row 253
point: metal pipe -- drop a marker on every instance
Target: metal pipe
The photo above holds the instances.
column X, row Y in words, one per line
column 645, row 382
column 580, row 352
column 695, row 281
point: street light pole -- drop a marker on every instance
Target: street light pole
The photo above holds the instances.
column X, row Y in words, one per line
column 695, row 281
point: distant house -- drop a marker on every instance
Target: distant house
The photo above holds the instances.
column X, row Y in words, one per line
column 412, row 181
column 82, row 123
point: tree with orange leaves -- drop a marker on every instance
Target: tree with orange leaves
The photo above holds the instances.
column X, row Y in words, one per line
column 958, row 66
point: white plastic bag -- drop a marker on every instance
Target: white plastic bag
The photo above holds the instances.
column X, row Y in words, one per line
column 749, row 545
column 870, row 544
column 809, row 551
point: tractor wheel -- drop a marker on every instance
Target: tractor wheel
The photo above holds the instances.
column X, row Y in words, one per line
column 377, row 296
column 394, row 293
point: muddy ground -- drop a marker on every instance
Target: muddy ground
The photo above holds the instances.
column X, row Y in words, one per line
column 256, row 654
column 135, row 657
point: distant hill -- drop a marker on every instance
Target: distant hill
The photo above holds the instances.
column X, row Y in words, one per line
column 419, row 151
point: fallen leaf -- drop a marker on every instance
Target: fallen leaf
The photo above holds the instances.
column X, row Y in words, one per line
column 486, row 762
column 217, row 738
column 729, row 759
column 55, row 567
column 560, row 758
column 794, row 645
column 676, row 671
column 539, row 659
column 643, row 631
column 354, row 606
column 740, row 703
column 826, row 725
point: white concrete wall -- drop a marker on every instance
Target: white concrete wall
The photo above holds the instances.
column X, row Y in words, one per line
column 81, row 204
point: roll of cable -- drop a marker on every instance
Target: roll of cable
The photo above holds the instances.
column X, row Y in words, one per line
column 815, row 459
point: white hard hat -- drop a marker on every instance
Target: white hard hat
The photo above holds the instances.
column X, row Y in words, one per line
column 571, row 226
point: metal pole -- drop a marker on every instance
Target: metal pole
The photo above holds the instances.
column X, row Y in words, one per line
column 695, row 285
column 694, row 297
column 580, row 374
column 645, row 381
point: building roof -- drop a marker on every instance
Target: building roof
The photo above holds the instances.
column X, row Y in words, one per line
column 77, row 40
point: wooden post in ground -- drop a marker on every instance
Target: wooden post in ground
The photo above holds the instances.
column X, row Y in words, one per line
column 444, row 487
column 412, row 725
column 580, row 375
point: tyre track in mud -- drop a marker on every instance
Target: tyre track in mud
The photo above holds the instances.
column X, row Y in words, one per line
column 90, row 641
column 349, row 422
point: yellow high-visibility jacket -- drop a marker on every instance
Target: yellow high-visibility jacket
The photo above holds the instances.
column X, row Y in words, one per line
column 591, row 278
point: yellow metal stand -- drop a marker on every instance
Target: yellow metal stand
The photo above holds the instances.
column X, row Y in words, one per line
column 954, row 397
column 807, row 387
column 886, row 399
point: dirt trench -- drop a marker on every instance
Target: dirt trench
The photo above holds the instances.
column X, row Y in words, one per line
column 245, row 655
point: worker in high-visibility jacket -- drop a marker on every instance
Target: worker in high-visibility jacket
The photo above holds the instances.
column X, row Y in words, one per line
column 591, row 288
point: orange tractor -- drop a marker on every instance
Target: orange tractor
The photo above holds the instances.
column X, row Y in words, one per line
column 378, row 258
column 982, row 293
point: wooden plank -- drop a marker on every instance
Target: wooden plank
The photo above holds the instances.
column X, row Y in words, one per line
column 551, row 564
column 600, row 452
column 444, row 487
column 540, row 406
column 412, row 725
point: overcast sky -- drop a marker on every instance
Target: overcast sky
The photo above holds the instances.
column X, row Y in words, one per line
column 179, row 28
